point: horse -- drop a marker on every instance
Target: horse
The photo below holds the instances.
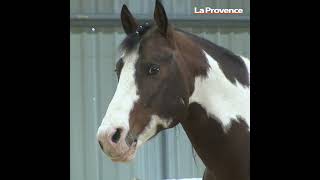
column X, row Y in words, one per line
column 168, row 76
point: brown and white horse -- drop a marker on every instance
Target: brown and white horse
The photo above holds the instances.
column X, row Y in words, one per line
column 168, row 76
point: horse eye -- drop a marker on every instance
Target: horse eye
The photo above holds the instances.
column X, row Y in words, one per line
column 153, row 69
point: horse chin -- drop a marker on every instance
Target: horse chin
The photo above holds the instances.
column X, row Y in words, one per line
column 127, row 156
column 124, row 159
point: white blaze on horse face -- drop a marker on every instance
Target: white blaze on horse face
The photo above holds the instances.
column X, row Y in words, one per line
column 118, row 112
column 219, row 97
column 151, row 128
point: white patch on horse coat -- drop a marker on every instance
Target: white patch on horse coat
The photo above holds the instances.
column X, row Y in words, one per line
column 118, row 111
column 219, row 97
column 151, row 128
column 247, row 62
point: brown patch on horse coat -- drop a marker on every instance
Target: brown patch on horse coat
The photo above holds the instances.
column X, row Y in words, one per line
column 225, row 154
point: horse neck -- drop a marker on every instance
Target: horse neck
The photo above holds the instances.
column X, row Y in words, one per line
column 218, row 118
column 209, row 84
column 225, row 154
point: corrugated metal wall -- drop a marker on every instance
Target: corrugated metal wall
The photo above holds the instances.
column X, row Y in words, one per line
column 93, row 82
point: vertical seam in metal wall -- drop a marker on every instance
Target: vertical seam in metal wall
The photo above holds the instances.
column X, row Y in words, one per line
column 95, row 6
column 242, row 6
column 81, row 6
column 176, row 153
column 82, row 94
column 87, row 100
column 97, row 101
column 231, row 37
column 163, row 153
column 219, row 35
column 100, row 163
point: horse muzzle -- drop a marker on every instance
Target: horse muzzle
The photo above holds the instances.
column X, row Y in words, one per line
column 117, row 143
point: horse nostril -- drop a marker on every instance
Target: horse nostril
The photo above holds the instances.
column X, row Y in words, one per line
column 100, row 145
column 116, row 136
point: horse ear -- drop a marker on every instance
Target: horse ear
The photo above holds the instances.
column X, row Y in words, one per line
column 160, row 18
column 129, row 23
